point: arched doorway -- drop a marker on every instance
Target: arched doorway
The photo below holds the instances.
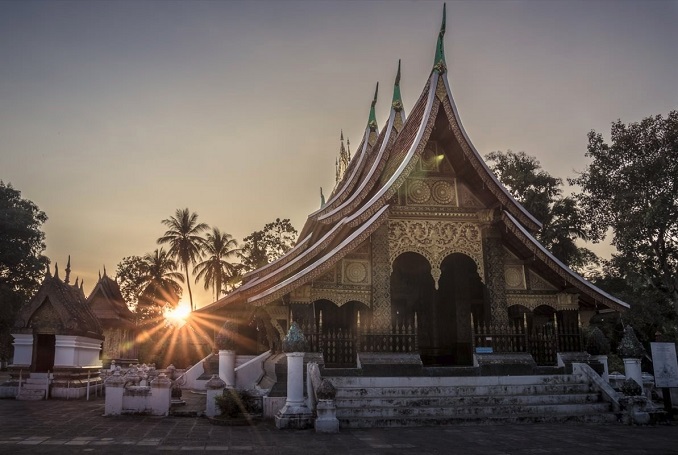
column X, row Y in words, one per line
column 460, row 294
column 443, row 316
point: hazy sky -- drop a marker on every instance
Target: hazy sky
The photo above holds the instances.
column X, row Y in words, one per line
column 114, row 114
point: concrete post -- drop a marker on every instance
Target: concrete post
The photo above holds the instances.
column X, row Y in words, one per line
column 161, row 395
column 295, row 413
column 227, row 367
column 215, row 387
column 114, row 391
column 327, row 421
column 632, row 370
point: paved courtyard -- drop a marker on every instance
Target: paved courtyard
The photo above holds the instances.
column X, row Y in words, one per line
column 57, row 426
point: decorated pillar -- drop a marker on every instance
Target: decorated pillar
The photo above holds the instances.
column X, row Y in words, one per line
column 295, row 413
column 161, row 395
column 215, row 387
column 493, row 252
column 381, row 281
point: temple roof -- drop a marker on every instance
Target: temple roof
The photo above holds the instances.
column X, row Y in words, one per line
column 108, row 304
column 360, row 202
column 58, row 308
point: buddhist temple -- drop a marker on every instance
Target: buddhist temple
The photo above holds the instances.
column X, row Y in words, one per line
column 57, row 341
column 419, row 249
column 116, row 319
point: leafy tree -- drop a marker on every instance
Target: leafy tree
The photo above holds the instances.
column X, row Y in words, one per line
column 540, row 193
column 630, row 187
column 183, row 237
column 216, row 270
column 130, row 277
column 267, row 245
column 22, row 265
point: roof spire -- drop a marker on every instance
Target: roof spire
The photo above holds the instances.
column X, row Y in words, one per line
column 99, row 275
column 439, row 64
column 68, row 270
column 76, row 281
column 342, row 135
column 397, row 100
column 372, row 122
column 322, row 198
column 82, row 283
column 104, row 270
column 56, row 270
column 348, row 147
column 47, row 272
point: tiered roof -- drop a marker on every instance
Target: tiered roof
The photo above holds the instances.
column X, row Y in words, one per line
column 108, row 304
column 360, row 201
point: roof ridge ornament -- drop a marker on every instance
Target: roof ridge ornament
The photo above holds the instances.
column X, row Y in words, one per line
column 397, row 102
column 439, row 64
column 322, row 198
column 372, row 122
column 68, row 270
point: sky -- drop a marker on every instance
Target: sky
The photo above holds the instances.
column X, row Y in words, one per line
column 113, row 114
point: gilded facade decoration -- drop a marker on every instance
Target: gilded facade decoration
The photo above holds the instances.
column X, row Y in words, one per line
column 568, row 301
column 418, row 191
column 443, row 193
column 537, row 283
column 532, row 301
column 302, row 294
column 342, row 296
column 435, row 240
column 46, row 318
column 466, row 198
column 329, row 277
column 515, row 277
column 356, row 272
column 277, row 314
column 381, row 280
column 429, row 158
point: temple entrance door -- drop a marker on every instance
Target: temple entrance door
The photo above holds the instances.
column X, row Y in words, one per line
column 460, row 293
column 338, row 328
column 43, row 352
column 412, row 299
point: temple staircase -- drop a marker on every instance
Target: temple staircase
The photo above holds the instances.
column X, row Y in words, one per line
column 34, row 387
column 421, row 401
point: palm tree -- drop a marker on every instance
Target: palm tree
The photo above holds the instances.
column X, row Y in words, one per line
column 185, row 242
column 160, row 282
column 216, row 270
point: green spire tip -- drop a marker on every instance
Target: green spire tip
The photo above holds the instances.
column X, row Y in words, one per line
column 439, row 63
column 372, row 122
column 397, row 102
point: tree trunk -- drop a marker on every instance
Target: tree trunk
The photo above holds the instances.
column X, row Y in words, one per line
column 188, row 283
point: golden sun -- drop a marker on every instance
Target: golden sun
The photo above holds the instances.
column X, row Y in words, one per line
column 178, row 315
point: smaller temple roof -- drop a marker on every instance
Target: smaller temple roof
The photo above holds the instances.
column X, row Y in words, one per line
column 108, row 304
column 58, row 308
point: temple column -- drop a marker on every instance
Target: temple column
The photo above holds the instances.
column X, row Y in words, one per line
column 381, row 281
column 493, row 252
column 227, row 367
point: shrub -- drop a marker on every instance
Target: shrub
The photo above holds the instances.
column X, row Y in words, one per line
column 596, row 342
column 235, row 403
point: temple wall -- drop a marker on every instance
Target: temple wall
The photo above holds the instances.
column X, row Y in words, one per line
column 381, row 281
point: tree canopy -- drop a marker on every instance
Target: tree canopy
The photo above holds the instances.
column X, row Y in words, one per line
column 540, row 193
column 216, row 270
column 185, row 241
column 22, row 264
column 267, row 245
column 631, row 188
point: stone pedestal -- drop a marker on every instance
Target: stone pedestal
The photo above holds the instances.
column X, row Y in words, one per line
column 161, row 395
column 215, row 387
column 327, row 421
column 114, row 391
column 23, row 349
column 606, row 372
column 632, row 370
column 227, row 367
column 295, row 413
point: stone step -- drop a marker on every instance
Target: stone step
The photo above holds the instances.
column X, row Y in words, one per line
column 473, row 410
column 466, row 390
column 453, row 401
column 418, row 421
column 451, row 381
column 27, row 394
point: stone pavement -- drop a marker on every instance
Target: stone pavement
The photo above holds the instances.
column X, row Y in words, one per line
column 57, row 426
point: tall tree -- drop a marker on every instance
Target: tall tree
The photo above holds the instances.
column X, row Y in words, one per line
column 22, row 264
column 630, row 187
column 160, row 283
column 540, row 193
column 184, row 239
column 267, row 245
column 216, row 270
column 130, row 276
